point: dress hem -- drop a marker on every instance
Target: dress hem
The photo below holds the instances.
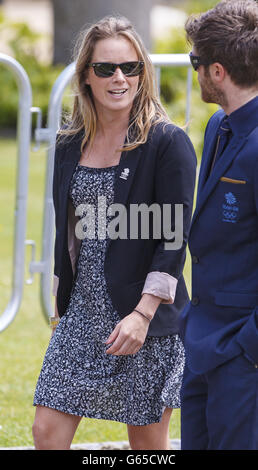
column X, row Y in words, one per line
column 107, row 418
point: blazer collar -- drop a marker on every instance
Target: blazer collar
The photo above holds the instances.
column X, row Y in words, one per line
column 244, row 119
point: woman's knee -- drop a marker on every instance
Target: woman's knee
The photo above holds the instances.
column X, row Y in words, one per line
column 152, row 436
column 153, row 442
column 45, row 428
column 53, row 429
column 41, row 432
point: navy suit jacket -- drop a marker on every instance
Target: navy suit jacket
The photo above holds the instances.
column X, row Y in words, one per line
column 160, row 171
column 221, row 321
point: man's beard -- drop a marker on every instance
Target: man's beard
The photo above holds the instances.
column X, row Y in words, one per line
column 210, row 93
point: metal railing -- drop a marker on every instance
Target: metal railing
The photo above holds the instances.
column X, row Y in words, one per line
column 48, row 134
column 20, row 215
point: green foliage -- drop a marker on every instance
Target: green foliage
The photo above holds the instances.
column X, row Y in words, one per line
column 23, row 42
column 172, row 78
column 199, row 5
column 173, row 89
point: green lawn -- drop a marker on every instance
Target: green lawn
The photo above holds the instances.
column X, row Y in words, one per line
column 23, row 343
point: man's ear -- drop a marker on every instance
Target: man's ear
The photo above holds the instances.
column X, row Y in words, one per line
column 217, row 72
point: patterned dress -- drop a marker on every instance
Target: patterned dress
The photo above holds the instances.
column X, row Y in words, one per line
column 77, row 376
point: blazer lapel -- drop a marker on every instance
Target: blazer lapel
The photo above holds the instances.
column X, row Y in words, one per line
column 124, row 179
column 72, row 158
column 205, row 168
column 219, row 170
column 125, row 174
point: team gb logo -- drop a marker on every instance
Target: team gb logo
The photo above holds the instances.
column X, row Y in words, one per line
column 230, row 210
column 230, row 198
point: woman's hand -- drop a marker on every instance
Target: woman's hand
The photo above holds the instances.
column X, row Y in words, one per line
column 56, row 319
column 128, row 335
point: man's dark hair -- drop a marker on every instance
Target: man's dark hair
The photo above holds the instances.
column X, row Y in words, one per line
column 228, row 34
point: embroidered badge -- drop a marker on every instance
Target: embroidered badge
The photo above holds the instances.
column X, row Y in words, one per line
column 125, row 173
column 230, row 198
column 230, row 210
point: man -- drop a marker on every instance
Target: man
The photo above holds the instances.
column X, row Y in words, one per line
column 220, row 325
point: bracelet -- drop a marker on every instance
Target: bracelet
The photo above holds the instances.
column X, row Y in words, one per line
column 145, row 316
column 53, row 322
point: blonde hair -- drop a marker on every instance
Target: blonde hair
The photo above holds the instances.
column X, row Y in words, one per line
column 146, row 109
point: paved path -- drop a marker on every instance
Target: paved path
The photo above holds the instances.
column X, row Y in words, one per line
column 122, row 445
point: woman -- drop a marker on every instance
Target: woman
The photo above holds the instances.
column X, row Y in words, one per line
column 115, row 353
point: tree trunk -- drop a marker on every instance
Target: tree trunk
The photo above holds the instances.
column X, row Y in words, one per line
column 71, row 16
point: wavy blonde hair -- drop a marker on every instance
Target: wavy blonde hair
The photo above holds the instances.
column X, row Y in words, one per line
column 146, row 109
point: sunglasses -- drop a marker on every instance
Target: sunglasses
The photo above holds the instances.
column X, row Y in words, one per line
column 107, row 69
column 196, row 61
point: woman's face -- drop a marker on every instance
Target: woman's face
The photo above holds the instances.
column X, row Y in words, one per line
column 115, row 93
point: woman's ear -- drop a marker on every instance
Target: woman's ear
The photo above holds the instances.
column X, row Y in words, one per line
column 87, row 73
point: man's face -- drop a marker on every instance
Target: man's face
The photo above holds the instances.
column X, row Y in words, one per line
column 210, row 92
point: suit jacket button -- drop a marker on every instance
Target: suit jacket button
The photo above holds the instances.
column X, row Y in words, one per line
column 195, row 300
column 195, row 259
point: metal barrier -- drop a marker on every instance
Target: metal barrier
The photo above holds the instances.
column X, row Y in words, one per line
column 20, row 216
column 44, row 267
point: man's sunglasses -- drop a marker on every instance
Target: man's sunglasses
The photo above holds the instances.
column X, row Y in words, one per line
column 196, row 61
column 107, row 69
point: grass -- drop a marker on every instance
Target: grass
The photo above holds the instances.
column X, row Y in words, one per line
column 23, row 343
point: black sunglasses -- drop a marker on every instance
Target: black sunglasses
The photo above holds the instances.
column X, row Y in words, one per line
column 107, row 69
column 196, row 61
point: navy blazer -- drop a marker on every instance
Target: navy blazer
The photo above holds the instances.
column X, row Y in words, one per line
column 160, row 171
column 221, row 321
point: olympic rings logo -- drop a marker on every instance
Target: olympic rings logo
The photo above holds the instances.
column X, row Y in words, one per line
column 230, row 215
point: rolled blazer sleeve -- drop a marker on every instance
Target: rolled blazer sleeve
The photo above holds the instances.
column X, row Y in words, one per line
column 161, row 285
column 175, row 184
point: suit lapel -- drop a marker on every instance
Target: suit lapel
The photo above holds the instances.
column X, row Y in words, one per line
column 209, row 152
column 219, row 170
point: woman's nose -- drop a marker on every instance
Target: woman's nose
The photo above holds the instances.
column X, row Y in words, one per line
column 118, row 75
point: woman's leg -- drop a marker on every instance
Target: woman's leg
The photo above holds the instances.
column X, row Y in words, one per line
column 152, row 436
column 53, row 430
